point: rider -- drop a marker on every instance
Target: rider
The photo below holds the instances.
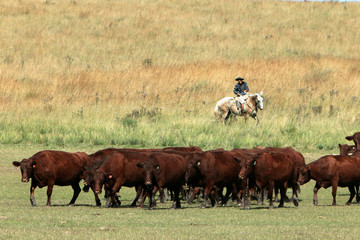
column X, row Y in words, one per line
column 241, row 89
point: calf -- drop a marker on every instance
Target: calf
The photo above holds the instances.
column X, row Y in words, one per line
column 334, row 171
column 164, row 170
column 49, row 168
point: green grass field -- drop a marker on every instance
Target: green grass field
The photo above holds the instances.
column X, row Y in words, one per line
column 86, row 75
column 19, row 220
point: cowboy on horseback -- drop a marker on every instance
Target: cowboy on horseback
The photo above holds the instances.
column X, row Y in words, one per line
column 241, row 91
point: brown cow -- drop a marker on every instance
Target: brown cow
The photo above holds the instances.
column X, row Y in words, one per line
column 332, row 170
column 49, row 168
column 213, row 170
column 249, row 154
column 101, row 168
column 116, row 170
column 277, row 169
column 164, row 170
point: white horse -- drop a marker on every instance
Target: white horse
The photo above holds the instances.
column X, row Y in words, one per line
column 227, row 107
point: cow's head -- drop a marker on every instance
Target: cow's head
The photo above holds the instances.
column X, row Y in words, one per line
column 356, row 139
column 247, row 166
column 27, row 167
column 149, row 170
column 100, row 179
column 88, row 176
column 192, row 171
column 305, row 175
column 346, row 150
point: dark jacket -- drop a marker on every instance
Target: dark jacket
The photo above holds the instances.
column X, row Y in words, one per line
column 240, row 88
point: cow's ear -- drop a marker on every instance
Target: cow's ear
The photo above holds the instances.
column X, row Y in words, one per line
column 110, row 176
column 34, row 164
column 139, row 165
column 16, row 163
column 349, row 138
column 254, row 162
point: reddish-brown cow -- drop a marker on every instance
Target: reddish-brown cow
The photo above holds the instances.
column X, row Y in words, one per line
column 116, row 170
column 332, row 170
column 49, row 168
column 101, row 168
column 213, row 170
column 164, row 170
column 277, row 169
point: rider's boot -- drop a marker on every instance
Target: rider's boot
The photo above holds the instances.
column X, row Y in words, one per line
column 237, row 105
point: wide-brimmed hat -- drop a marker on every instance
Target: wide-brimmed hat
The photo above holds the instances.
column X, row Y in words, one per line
column 238, row 78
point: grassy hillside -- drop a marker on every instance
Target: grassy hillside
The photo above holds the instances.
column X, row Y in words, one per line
column 148, row 73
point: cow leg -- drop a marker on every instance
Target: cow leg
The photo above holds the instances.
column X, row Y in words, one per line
column 295, row 196
column 357, row 193
column 32, row 190
column 316, row 189
column 77, row 191
column 270, row 194
column 145, row 193
column 352, row 194
column 207, row 191
column 282, row 195
column 192, row 193
column 334, row 189
column 247, row 198
column 49, row 192
column 176, row 203
column 138, row 193
column 162, row 194
column 152, row 197
column 97, row 200
column 276, row 194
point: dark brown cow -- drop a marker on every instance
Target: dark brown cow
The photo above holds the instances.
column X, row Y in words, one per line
column 49, row 168
column 334, row 171
column 277, row 169
column 164, row 170
column 356, row 138
column 213, row 170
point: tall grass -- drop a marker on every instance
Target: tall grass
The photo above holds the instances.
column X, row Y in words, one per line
column 74, row 72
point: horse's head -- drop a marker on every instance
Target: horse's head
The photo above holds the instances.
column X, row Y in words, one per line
column 259, row 100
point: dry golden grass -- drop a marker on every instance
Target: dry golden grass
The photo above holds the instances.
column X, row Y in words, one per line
column 61, row 57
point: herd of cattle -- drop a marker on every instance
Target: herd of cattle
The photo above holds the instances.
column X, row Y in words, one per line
column 189, row 171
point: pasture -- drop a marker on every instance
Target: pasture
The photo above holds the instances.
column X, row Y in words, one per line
column 86, row 75
column 19, row 220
